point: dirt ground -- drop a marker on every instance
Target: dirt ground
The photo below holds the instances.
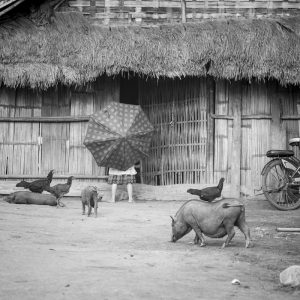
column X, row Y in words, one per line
column 125, row 253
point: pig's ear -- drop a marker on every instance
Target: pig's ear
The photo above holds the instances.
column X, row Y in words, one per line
column 172, row 220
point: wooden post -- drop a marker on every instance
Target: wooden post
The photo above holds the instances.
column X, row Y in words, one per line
column 235, row 98
column 183, row 11
column 277, row 134
column 210, row 130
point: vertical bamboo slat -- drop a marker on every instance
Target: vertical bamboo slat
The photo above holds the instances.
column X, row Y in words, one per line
column 235, row 141
column 210, row 132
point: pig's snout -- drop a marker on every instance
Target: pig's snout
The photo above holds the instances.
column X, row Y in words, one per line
column 173, row 238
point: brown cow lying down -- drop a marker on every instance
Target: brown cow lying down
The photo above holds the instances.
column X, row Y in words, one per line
column 25, row 197
column 213, row 219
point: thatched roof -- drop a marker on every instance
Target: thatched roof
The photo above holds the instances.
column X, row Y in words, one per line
column 72, row 51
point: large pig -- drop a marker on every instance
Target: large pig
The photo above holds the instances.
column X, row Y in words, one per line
column 25, row 197
column 90, row 197
column 214, row 219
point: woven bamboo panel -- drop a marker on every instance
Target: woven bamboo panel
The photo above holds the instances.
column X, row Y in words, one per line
column 80, row 159
column 178, row 110
column 85, row 101
column 55, row 136
column 19, row 142
column 159, row 11
column 6, row 129
column 223, row 132
column 255, row 134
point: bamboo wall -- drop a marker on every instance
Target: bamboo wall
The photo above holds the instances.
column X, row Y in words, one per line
column 19, row 146
column 178, row 109
column 196, row 133
column 33, row 148
column 205, row 129
column 172, row 11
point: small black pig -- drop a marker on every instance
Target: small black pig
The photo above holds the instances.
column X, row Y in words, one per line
column 90, row 197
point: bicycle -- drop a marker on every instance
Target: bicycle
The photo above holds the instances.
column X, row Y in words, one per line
column 281, row 178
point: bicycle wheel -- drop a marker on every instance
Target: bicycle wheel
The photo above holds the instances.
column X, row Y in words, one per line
column 278, row 185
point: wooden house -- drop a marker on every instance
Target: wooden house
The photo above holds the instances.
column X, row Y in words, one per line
column 218, row 79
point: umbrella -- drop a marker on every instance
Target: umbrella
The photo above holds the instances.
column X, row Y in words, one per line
column 119, row 135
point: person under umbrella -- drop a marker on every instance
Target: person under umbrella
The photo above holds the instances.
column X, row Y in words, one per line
column 116, row 177
column 118, row 136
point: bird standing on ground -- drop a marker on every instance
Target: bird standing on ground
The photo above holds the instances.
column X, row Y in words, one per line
column 59, row 190
column 210, row 193
column 37, row 186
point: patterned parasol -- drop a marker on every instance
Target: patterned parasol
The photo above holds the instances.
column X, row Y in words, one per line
column 119, row 135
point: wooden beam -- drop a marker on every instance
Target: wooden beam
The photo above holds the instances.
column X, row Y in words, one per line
column 244, row 117
column 236, row 102
column 69, row 119
column 257, row 117
column 210, row 130
column 277, row 130
column 222, row 117
column 288, row 229
column 22, row 176
column 290, row 117
column 61, row 119
column 9, row 5
column 183, row 11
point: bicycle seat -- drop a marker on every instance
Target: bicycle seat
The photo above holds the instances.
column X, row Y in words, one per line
column 294, row 142
column 280, row 153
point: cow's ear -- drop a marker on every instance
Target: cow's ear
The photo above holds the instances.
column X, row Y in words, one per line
column 172, row 220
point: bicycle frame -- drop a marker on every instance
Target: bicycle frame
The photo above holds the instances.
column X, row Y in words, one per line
column 297, row 161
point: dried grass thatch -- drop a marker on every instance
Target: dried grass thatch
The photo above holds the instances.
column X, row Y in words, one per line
column 72, row 51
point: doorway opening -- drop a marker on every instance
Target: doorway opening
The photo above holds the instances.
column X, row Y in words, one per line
column 129, row 94
column 129, row 89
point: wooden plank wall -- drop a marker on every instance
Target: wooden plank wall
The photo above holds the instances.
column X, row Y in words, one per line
column 84, row 101
column 55, row 136
column 222, row 133
column 158, row 11
column 256, row 134
column 190, row 147
column 261, row 107
column 35, row 148
column 19, row 141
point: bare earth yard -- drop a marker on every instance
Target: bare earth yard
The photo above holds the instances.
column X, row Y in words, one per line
column 125, row 253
